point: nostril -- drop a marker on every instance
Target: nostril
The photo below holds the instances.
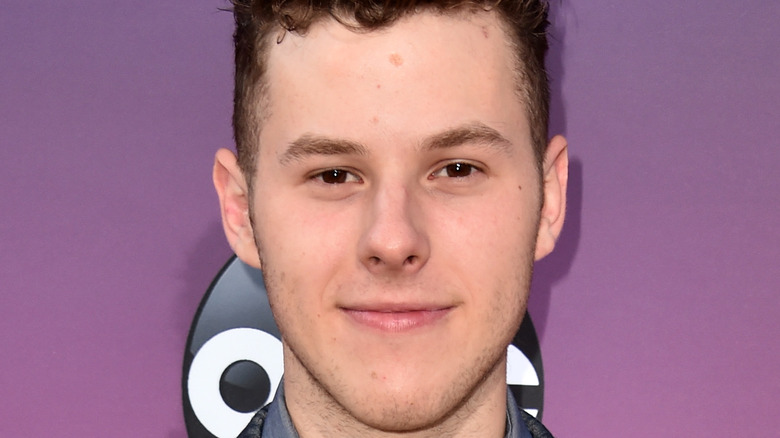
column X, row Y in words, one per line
column 410, row 260
column 375, row 260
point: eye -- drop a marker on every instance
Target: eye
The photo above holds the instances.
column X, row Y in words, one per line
column 456, row 170
column 336, row 176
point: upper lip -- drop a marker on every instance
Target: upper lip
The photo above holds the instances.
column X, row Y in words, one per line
column 396, row 307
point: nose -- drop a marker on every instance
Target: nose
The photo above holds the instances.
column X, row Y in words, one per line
column 394, row 239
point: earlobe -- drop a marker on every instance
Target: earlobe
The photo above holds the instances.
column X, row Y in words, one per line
column 233, row 195
column 555, row 176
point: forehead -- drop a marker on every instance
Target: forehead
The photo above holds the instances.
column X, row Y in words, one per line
column 425, row 72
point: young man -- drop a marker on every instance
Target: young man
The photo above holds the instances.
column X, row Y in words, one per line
column 395, row 183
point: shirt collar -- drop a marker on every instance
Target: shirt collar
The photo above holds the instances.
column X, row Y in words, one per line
column 278, row 423
column 515, row 426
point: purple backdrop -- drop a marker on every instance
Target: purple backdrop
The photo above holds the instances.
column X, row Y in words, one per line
column 658, row 314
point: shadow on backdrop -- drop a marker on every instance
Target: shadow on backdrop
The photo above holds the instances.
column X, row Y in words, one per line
column 554, row 63
column 558, row 264
column 204, row 259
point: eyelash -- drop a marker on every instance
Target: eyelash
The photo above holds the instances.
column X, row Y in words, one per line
column 338, row 176
column 454, row 167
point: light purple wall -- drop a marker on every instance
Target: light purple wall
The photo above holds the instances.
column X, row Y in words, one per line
column 658, row 314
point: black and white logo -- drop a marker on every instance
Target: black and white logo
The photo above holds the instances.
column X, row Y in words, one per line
column 233, row 358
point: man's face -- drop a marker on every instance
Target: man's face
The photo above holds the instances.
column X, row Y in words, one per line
column 396, row 206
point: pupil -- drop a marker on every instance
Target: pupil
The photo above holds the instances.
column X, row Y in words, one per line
column 334, row 176
column 456, row 170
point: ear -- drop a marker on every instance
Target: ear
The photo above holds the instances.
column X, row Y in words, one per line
column 234, row 204
column 555, row 176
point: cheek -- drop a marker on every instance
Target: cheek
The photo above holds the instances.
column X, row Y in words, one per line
column 297, row 228
column 301, row 244
column 496, row 227
column 490, row 246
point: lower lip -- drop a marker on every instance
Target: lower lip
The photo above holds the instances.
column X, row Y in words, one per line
column 397, row 321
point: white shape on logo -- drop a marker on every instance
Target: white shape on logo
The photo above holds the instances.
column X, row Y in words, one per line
column 210, row 362
column 532, row 412
column 520, row 371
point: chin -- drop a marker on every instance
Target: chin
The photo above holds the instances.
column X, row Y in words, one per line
column 393, row 414
column 414, row 404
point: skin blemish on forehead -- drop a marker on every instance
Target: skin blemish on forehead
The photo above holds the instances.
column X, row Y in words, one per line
column 396, row 59
column 375, row 119
column 485, row 32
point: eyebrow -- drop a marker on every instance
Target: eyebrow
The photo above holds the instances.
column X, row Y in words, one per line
column 308, row 145
column 474, row 133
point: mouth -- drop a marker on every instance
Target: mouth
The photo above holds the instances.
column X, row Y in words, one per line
column 397, row 318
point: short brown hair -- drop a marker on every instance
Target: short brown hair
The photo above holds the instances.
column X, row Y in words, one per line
column 525, row 21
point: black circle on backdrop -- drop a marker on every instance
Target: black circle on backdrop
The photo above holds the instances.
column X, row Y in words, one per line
column 244, row 386
column 237, row 299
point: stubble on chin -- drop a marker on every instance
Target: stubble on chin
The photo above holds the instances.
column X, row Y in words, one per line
column 439, row 414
